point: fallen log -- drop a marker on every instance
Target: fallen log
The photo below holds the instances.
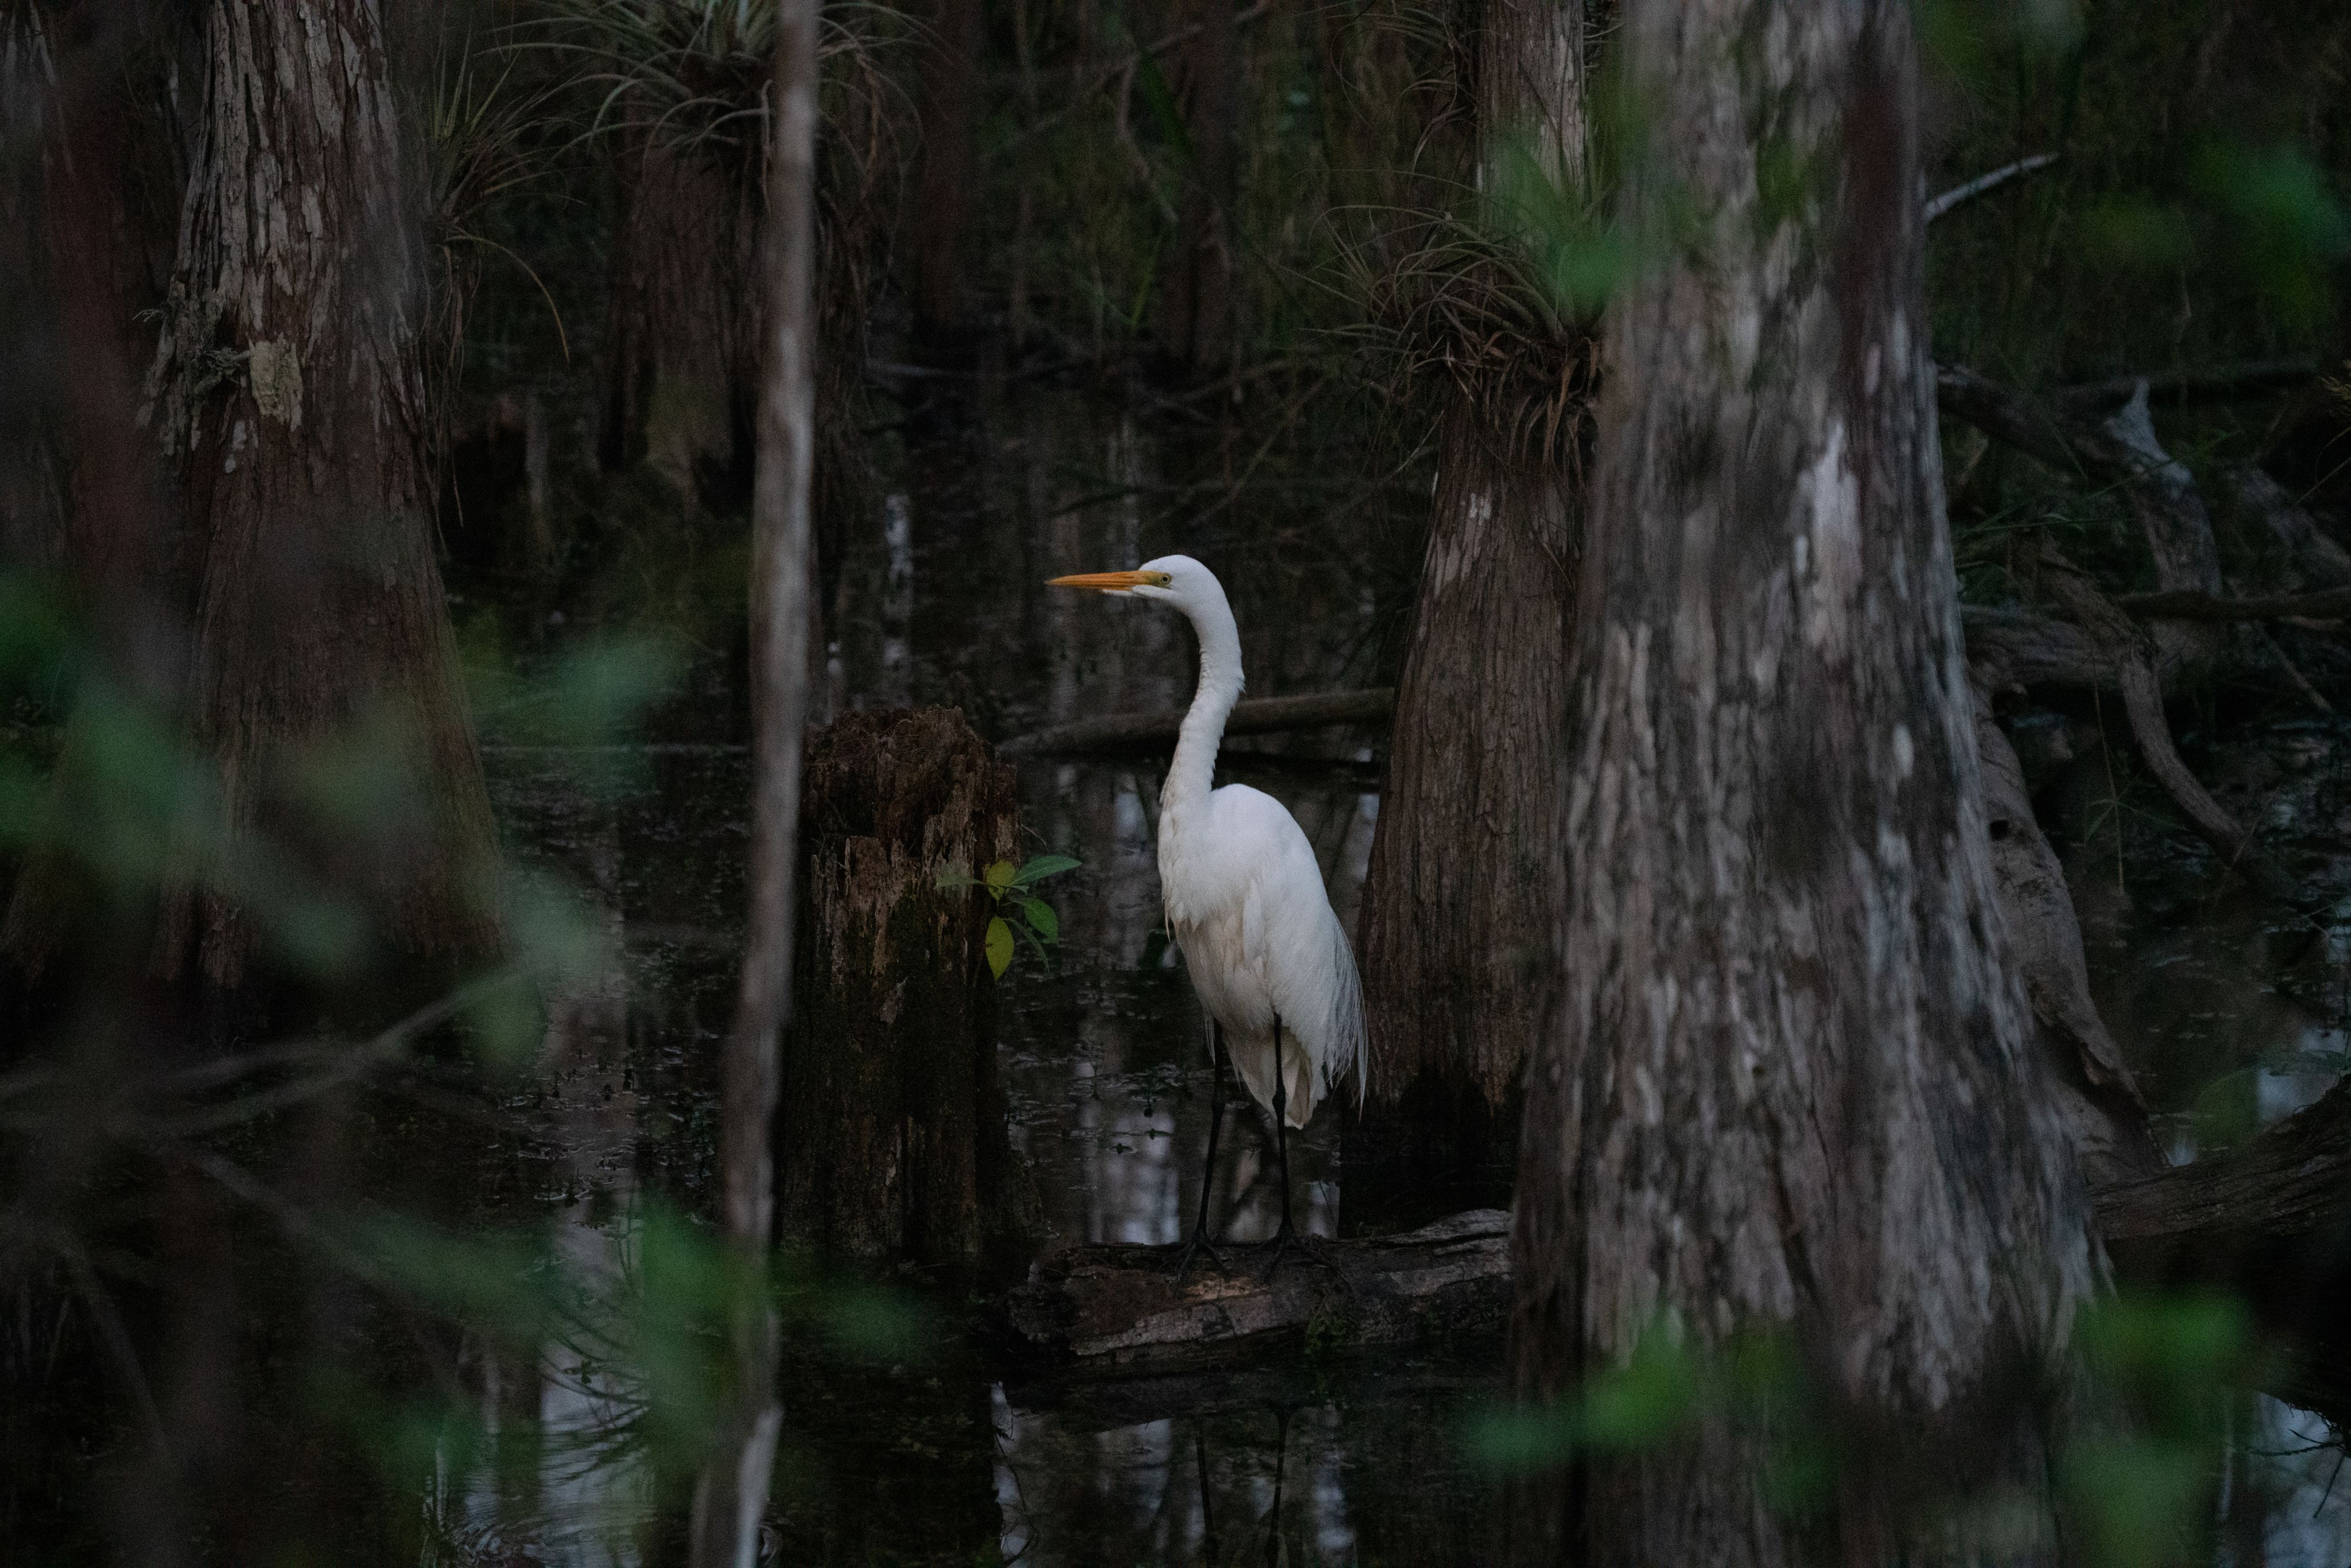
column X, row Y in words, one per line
column 1258, row 715
column 1121, row 1308
column 2269, row 1223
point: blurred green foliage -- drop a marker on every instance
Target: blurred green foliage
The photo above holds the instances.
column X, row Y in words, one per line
column 2145, row 1430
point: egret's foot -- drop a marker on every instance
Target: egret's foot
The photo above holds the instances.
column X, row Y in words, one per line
column 1288, row 1243
column 1198, row 1244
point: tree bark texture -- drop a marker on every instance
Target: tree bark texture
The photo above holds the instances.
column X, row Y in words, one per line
column 892, row 1138
column 1195, row 311
column 1461, row 904
column 288, row 386
column 1791, row 1089
column 731, row 1495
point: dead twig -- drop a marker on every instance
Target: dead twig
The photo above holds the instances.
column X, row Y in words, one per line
column 1983, row 182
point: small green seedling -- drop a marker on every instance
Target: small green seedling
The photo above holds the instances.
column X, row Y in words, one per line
column 1018, row 912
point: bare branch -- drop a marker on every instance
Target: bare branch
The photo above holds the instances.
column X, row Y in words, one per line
column 1983, row 182
column 2143, row 700
column 2246, row 379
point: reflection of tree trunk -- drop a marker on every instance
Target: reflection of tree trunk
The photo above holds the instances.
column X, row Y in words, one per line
column 1461, row 904
column 1793, row 1087
column 938, row 241
column 1195, row 312
column 885, row 1468
column 291, row 389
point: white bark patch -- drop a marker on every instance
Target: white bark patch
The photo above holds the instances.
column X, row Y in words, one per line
column 1831, row 493
column 275, row 370
column 1904, row 754
column 1451, row 553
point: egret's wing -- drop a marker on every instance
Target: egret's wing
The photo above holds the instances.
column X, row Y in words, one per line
column 1291, row 938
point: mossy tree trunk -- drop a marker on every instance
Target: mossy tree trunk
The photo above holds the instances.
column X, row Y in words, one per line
column 1792, row 1090
column 289, row 390
column 892, row 1140
column 1461, row 905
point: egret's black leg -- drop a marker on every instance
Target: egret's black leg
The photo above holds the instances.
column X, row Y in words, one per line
column 1286, row 1240
column 1208, row 1173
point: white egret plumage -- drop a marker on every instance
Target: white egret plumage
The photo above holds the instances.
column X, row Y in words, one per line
column 1244, row 897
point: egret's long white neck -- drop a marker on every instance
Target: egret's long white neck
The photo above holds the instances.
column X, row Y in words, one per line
column 1192, row 773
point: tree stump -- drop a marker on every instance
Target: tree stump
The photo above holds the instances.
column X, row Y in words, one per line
column 892, row 1140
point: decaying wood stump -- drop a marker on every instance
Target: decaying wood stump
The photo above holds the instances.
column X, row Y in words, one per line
column 892, row 1134
column 1121, row 1307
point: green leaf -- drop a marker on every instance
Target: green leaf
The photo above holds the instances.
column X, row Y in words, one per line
column 999, row 945
column 999, row 876
column 1041, row 918
column 1043, row 866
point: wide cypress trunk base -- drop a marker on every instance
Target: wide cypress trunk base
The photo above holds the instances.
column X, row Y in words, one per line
column 893, row 1141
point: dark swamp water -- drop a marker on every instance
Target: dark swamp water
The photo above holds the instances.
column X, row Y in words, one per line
column 902, row 1444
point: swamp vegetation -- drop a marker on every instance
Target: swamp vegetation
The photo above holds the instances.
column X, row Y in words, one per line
column 1874, row 1058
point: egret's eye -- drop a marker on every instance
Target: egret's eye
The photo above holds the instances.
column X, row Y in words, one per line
column 1159, row 579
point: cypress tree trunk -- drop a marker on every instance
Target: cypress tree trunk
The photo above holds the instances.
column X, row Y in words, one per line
column 892, row 1140
column 289, row 389
column 1461, row 903
column 1791, row 1088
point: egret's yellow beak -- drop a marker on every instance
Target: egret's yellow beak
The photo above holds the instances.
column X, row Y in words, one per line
column 1112, row 582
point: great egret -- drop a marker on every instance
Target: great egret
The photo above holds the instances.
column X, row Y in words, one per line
column 1245, row 900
